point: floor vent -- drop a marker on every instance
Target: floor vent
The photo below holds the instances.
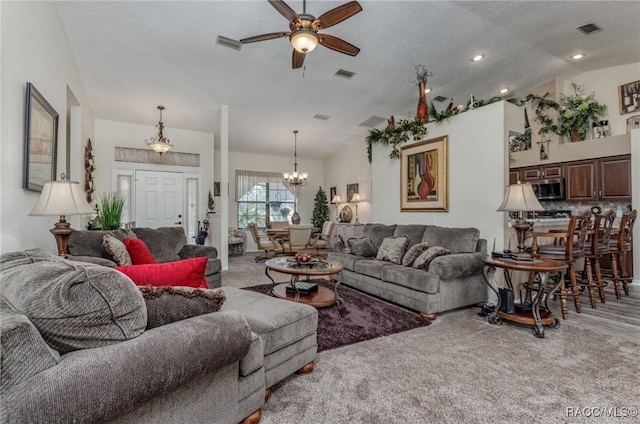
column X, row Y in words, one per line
column 345, row 74
column 589, row 28
column 373, row 121
column 228, row 42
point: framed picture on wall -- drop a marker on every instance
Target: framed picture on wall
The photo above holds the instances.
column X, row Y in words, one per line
column 40, row 140
column 351, row 190
column 629, row 96
column 332, row 194
column 216, row 188
column 424, row 176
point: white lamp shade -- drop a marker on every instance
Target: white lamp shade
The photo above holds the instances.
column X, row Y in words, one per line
column 336, row 199
column 61, row 198
column 304, row 40
column 520, row 197
column 356, row 198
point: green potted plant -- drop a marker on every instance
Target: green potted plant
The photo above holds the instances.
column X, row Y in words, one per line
column 284, row 212
column 110, row 208
column 577, row 112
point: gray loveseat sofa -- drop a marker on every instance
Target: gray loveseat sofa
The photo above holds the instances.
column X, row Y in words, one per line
column 75, row 348
column 167, row 244
column 450, row 282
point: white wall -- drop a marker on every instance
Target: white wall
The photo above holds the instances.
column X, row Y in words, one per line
column 635, row 195
column 349, row 166
column 478, row 175
column 34, row 49
column 265, row 163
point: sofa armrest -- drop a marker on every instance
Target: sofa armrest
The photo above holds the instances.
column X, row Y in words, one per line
column 92, row 260
column 482, row 246
column 457, row 265
column 91, row 385
column 197, row 251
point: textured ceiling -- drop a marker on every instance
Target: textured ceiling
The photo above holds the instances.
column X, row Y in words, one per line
column 136, row 55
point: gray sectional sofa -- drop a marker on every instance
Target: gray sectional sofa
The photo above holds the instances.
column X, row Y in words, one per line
column 75, row 348
column 450, row 282
column 167, row 244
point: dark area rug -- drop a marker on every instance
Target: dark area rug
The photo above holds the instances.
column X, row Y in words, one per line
column 359, row 318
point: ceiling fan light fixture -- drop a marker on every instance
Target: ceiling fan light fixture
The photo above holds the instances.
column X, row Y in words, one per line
column 159, row 143
column 304, row 40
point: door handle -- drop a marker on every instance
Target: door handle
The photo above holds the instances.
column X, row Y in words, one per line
column 178, row 223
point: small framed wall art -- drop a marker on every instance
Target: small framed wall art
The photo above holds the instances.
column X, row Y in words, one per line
column 424, row 176
column 332, row 194
column 40, row 140
column 351, row 190
column 629, row 96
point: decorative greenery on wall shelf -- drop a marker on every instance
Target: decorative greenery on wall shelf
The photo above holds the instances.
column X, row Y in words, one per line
column 394, row 134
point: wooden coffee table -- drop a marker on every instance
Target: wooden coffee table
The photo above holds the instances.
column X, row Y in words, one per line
column 317, row 268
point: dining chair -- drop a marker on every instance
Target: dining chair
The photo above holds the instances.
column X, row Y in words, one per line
column 596, row 247
column 322, row 240
column 619, row 247
column 568, row 247
column 298, row 239
column 264, row 242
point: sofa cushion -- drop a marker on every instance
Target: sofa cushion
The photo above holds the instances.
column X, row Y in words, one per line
column 378, row 232
column 362, row 246
column 457, row 240
column 165, row 243
column 413, row 231
column 416, row 279
column 188, row 272
column 89, row 242
column 345, row 244
column 12, row 260
column 116, row 249
column 371, row 268
column 253, row 360
column 139, row 252
column 76, row 306
column 279, row 322
column 413, row 252
column 347, row 260
column 424, row 260
column 392, row 249
column 457, row 265
column 167, row 304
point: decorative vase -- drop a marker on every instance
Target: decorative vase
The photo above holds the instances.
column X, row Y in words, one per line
column 295, row 218
column 416, row 181
column 346, row 214
column 574, row 135
column 428, row 182
column 421, row 114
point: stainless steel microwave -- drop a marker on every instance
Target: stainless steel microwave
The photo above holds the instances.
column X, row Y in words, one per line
column 551, row 189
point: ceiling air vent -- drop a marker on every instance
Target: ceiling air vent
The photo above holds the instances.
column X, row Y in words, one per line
column 345, row 74
column 589, row 28
column 321, row 117
column 373, row 121
column 228, row 42
column 440, row 98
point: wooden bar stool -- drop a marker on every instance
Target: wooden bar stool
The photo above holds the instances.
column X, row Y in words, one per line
column 618, row 249
column 597, row 246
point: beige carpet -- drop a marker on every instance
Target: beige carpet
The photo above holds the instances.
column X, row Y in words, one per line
column 462, row 370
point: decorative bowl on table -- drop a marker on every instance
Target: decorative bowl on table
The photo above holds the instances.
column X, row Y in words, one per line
column 304, row 258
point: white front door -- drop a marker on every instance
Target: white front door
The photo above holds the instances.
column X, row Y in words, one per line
column 158, row 199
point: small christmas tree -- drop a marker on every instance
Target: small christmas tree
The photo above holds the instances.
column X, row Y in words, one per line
column 320, row 208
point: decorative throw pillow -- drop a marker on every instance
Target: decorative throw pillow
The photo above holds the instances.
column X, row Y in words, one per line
column 392, row 249
column 413, row 253
column 116, row 249
column 169, row 304
column 139, row 252
column 424, row 260
column 362, row 246
column 188, row 272
column 345, row 244
column 76, row 306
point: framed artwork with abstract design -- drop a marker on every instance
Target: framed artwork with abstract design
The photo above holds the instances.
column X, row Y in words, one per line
column 40, row 140
column 424, row 177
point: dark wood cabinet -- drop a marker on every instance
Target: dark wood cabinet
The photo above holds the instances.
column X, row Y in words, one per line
column 540, row 172
column 514, row 177
column 598, row 179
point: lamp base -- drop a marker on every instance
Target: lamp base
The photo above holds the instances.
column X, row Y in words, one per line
column 522, row 226
column 62, row 231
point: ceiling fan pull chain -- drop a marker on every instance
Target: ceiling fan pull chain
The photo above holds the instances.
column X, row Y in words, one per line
column 304, row 69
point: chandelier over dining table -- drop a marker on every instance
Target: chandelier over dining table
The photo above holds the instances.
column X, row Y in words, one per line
column 295, row 178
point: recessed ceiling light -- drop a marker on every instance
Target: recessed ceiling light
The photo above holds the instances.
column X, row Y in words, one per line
column 577, row 56
column 503, row 91
column 477, row 58
column 427, row 90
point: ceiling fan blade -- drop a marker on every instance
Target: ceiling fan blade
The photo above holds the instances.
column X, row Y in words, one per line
column 337, row 44
column 297, row 59
column 265, row 37
column 337, row 15
column 284, row 10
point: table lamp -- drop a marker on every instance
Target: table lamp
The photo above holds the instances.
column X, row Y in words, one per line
column 520, row 198
column 356, row 199
column 61, row 198
column 336, row 201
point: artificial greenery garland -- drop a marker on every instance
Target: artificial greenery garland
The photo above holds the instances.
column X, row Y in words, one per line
column 393, row 135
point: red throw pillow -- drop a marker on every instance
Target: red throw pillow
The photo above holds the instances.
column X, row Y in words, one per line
column 139, row 252
column 188, row 272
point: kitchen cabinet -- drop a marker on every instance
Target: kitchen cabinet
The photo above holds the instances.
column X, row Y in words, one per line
column 598, row 179
column 514, row 177
column 541, row 172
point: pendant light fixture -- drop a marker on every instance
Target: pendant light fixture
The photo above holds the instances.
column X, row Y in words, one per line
column 159, row 143
column 295, row 178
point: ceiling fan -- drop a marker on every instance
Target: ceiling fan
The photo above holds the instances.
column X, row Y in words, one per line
column 304, row 35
